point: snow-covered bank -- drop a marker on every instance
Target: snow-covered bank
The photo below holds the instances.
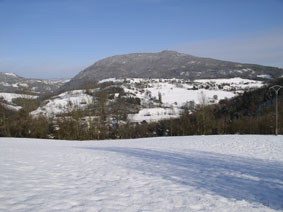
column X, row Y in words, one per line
column 197, row 173
column 10, row 96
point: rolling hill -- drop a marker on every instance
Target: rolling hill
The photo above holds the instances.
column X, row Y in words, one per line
column 12, row 83
column 167, row 65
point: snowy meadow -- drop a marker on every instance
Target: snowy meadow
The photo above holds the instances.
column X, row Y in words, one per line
column 194, row 173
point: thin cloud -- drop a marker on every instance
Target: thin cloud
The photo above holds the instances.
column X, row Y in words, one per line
column 262, row 48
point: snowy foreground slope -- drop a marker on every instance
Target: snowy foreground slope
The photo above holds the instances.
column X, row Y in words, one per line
column 198, row 173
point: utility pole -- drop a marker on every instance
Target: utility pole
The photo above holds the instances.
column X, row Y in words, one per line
column 276, row 88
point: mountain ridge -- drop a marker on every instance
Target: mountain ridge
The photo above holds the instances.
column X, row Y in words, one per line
column 168, row 64
column 11, row 82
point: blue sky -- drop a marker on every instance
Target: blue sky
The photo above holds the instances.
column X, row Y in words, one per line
column 59, row 38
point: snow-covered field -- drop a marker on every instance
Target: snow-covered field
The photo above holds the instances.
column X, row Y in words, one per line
column 174, row 94
column 178, row 92
column 64, row 103
column 197, row 173
column 10, row 96
column 236, row 81
column 154, row 114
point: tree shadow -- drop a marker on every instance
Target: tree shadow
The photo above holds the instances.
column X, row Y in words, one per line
column 240, row 178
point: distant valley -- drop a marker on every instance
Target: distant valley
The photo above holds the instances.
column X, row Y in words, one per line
column 12, row 83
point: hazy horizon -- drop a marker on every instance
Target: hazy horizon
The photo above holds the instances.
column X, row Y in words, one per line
column 75, row 73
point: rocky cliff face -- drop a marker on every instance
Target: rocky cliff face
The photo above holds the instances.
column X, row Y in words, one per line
column 168, row 64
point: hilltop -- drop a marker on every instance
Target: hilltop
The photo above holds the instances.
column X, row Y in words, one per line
column 168, row 65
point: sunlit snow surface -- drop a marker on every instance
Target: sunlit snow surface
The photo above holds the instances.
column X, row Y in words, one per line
column 10, row 96
column 174, row 93
column 64, row 103
column 199, row 173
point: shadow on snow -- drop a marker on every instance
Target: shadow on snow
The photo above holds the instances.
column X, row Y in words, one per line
column 240, row 178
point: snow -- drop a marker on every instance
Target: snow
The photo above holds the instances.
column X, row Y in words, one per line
column 247, row 69
column 181, row 95
column 10, row 96
column 235, row 80
column 154, row 114
column 10, row 74
column 11, row 107
column 16, row 85
column 23, row 85
column 5, row 84
column 267, row 76
column 111, row 80
column 233, row 173
column 174, row 93
column 56, row 81
column 64, row 103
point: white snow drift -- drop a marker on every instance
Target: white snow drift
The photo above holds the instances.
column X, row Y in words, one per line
column 8, row 97
column 198, row 173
